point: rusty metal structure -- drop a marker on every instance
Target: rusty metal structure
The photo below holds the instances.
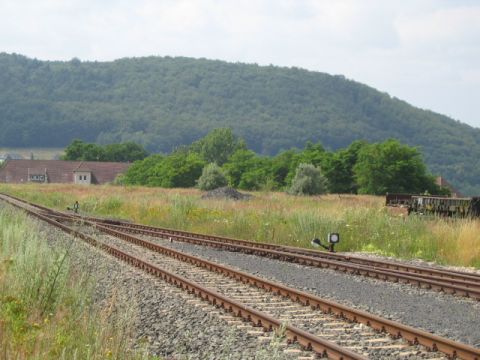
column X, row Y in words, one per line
column 436, row 205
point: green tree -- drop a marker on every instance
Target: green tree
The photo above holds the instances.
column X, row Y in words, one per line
column 124, row 152
column 246, row 170
column 308, row 180
column 179, row 169
column 212, row 177
column 142, row 172
column 79, row 150
column 237, row 165
column 338, row 168
column 281, row 166
column 392, row 167
column 218, row 146
column 312, row 154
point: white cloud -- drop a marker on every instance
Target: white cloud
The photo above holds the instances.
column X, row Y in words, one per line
column 425, row 52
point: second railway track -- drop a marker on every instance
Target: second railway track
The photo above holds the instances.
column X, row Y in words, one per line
column 447, row 281
column 334, row 321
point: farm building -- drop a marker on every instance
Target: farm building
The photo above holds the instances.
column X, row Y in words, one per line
column 59, row 171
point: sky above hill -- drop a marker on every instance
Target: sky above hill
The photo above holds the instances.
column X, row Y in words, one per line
column 426, row 52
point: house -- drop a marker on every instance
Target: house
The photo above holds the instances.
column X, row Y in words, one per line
column 60, row 171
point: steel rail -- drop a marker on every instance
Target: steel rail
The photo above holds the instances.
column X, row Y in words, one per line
column 453, row 281
column 383, row 274
column 438, row 274
column 460, row 287
column 393, row 266
column 257, row 318
column 432, row 342
column 452, row 286
column 412, row 335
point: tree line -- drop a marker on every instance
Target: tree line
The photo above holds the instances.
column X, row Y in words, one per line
column 221, row 158
column 124, row 152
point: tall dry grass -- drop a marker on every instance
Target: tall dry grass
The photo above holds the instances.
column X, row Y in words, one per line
column 46, row 308
column 362, row 221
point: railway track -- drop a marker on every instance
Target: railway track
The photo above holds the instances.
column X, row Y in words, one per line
column 451, row 282
column 357, row 334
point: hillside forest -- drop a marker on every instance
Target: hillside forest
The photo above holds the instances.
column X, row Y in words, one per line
column 164, row 103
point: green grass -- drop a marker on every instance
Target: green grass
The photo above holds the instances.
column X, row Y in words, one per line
column 363, row 222
column 46, row 308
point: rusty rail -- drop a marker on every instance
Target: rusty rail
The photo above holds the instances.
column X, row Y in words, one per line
column 257, row 318
column 438, row 274
column 432, row 342
column 312, row 253
column 462, row 288
column 461, row 284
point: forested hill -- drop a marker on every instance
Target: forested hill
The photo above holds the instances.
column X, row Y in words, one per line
column 162, row 102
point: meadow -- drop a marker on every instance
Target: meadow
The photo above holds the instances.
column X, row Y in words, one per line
column 364, row 223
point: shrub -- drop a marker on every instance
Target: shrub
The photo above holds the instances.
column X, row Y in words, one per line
column 212, row 178
column 308, row 181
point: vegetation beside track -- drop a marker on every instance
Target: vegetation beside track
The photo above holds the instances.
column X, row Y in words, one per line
column 362, row 221
column 46, row 307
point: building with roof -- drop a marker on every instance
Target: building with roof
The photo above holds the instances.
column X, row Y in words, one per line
column 60, row 171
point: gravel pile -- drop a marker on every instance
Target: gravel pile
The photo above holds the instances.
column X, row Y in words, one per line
column 226, row 193
column 445, row 315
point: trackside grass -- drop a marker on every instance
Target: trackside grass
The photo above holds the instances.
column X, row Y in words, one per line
column 362, row 221
column 46, row 308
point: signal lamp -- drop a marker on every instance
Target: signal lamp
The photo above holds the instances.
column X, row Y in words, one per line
column 333, row 238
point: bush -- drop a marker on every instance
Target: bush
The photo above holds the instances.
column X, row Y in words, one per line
column 308, row 181
column 212, row 178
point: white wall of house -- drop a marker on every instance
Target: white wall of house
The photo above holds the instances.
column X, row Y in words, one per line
column 82, row 177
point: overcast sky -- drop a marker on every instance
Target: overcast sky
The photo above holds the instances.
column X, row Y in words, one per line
column 426, row 52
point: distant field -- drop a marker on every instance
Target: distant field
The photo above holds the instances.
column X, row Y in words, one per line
column 363, row 222
column 38, row 153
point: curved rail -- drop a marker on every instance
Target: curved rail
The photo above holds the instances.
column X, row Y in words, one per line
column 453, row 282
column 257, row 318
column 433, row 342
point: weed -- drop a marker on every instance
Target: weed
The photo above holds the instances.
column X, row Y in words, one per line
column 362, row 221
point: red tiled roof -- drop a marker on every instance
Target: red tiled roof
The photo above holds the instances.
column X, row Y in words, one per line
column 82, row 167
column 60, row 171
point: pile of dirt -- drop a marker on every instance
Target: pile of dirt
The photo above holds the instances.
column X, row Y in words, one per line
column 226, row 193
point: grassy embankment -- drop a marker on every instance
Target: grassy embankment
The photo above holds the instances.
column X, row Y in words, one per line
column 46, row 308
column 363, row 221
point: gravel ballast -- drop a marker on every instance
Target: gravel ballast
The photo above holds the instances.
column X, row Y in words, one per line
column 175, row 328
column 453, row 317
column 170, row 322
column 352, row 335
